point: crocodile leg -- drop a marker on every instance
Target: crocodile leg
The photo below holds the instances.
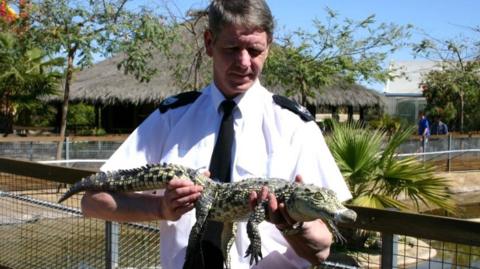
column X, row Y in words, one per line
column 255, row 247
column 228, row 238
column 202, row 207
column 337, row 236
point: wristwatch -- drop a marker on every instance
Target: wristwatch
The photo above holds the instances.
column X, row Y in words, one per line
column 294, row 229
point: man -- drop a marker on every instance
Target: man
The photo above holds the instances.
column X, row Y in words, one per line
column 273, row 137
column 438, row 127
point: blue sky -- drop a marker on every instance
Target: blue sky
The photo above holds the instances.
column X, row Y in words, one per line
column 439, row 18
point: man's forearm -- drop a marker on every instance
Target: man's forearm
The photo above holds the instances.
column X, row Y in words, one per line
column 121, row 207
column 312, row 243
column 179, row 197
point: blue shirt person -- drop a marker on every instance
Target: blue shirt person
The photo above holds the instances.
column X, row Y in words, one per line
column 423, row 125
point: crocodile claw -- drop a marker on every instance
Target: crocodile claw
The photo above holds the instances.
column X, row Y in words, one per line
column 256, row 253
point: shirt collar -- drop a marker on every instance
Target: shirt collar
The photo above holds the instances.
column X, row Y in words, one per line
column 216, row 97
column 248, row 103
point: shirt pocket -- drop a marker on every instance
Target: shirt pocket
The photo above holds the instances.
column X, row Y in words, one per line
column 281, row 163
column 256, row 163
column 195, row 157
column 251, row 164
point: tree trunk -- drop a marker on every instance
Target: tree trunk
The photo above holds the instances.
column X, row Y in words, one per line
column 6, row 114
column 335, row 115
column 312, row 109
column 303, row 100
column 66, row 97
column 98, row 117
column 362, row 114
column 6, row 124
column 462, row 105
column 350, row 113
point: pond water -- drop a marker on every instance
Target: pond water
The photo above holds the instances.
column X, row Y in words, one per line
column 451, row 255
column 470, row 211
column 465, row 211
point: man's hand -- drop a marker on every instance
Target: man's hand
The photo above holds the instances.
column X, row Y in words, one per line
column 277, row 212
column 312, row 243
column 179, row 198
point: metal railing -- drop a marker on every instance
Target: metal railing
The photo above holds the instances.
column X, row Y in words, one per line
column 447, row 152
column 73, row 148
column 36, row 232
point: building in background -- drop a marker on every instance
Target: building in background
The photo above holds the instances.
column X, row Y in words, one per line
column 404, row 98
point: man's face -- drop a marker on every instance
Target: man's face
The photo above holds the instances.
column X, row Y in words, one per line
column 238, row 56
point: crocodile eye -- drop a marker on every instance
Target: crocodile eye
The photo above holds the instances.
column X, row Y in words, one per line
column 320, row 196
column 179, row 173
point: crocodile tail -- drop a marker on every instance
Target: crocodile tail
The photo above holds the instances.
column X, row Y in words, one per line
column 67, row 195
column 151, row 176
column 94, row 182
column 148, row 177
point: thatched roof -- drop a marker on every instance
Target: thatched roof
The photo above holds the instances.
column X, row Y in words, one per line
column 352, row 95
column 341, row 94
column 104, row 83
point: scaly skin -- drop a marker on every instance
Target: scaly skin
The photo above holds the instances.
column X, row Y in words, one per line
column 226, row 202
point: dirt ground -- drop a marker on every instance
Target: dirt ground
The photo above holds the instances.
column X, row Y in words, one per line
column 464, row 185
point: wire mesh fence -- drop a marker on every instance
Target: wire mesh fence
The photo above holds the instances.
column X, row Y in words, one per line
column 78, row 148
column 437, row 254
column 36, row 232
column 29, row 150
column 418, row 253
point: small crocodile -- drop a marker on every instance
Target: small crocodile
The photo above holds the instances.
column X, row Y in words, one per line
column 226, row 202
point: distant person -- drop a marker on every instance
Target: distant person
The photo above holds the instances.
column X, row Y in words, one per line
column 423, row 130
column 423, row 125
column 438, row 127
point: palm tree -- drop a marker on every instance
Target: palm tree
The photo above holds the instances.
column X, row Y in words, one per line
column 377, row 177
column 25, row 74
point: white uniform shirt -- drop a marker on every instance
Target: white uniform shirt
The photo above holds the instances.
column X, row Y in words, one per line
column 270, row 141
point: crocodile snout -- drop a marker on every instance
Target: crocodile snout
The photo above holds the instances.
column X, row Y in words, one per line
column 345, row 216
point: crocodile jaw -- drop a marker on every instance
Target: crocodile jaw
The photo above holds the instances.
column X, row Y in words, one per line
column 345, row 216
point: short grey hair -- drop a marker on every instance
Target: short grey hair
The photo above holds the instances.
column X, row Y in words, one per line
column 254, row 14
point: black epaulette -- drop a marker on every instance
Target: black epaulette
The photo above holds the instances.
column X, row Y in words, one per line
column 178, row 100
column 293, row 106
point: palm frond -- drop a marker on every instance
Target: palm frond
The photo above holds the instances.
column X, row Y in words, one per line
column 396, row 140
column 374, row 200
column 355, row 150
column 377, row 177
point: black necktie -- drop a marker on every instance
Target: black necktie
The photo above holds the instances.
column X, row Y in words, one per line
column 221, row 161
column 220, row 170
